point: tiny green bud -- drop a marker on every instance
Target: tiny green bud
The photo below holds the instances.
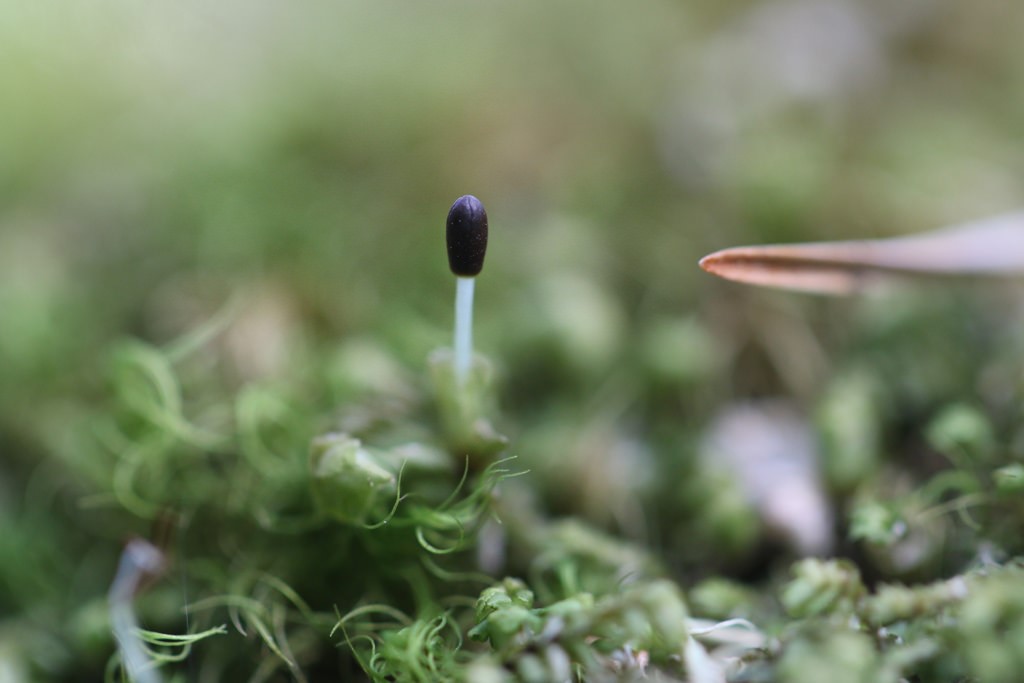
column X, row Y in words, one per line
column 531, row 669
column 666, row 612
column 509, row 592
column 822, row 586
column 348, row 481
column 830, row 655
column 962, row 432
column 1009, row 479
column 991, row 627
column 720, row 598
column 894, row 602
column 876, row 522
column 503, row 612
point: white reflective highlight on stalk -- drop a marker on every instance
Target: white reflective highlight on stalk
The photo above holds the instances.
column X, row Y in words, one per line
column 463, row 327
column 138, row 559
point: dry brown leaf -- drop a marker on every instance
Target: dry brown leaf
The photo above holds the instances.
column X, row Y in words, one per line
column 988, row 247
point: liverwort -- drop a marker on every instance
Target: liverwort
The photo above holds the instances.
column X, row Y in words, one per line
column 466, row 234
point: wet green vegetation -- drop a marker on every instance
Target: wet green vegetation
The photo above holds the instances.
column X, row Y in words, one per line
column 225, row 308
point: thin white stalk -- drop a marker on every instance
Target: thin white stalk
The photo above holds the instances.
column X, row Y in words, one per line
column 138, row 559
column 463, row 327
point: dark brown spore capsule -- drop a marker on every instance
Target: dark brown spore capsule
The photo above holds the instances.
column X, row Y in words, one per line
column 467, row 236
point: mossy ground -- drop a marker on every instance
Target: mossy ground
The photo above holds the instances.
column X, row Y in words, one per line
column 223, row 283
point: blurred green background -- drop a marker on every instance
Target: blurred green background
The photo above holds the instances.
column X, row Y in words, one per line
column 293, row 163
column 157, row 157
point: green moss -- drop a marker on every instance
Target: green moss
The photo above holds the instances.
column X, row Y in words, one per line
column 223, row 283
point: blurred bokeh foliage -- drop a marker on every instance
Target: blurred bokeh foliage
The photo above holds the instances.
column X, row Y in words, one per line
column 220, row 238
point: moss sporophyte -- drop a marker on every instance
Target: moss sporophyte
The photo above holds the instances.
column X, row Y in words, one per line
column 466, row 237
